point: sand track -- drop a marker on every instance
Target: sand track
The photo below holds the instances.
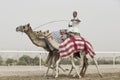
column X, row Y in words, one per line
column 37, row 73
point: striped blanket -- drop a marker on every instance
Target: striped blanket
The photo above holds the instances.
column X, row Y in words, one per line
column 73, row 44
column 59, row 36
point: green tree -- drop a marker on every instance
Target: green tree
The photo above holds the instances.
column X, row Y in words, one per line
column 36, row 61
column 25, row 60
column 1, row 60
column 10, row 61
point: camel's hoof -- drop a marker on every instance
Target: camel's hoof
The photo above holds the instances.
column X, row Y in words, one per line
column 101, row 75
column 68, row 74
column 80, row 77
column 45, row 75
column 74, row 75
column 56, row 76
column 82, row 74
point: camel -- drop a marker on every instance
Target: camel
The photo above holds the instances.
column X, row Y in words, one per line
column 83, row 58
column 52, row 41
column 66, row 50
column 47, row 34
column 38, row 42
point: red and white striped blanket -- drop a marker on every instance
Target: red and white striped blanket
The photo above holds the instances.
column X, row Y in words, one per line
column 73, row 44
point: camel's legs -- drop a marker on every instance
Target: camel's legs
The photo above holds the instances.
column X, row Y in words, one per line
column 49, row 67
column 84, row 68
column 73, row 64
column 84, row 63
column 81, row 61
column 97, row 67
column 49, row 62
column 70, row 70
column 61, row 68
column 47, row 71
column 57, row 64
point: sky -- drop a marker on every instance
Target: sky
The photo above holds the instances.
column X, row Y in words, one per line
column 100, row 21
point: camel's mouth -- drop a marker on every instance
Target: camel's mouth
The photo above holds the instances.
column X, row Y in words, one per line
column 18, row 29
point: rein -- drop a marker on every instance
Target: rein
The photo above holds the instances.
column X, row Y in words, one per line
column 49, row 23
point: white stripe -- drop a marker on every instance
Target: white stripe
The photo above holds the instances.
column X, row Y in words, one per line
column 65, row 53
column 89, row 46
column 80, row 47
column 62, row 44
column 66, row 47
column 79, row 42
column 90, row 53
column 78, row 38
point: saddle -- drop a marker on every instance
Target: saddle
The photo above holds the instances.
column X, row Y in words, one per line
column 52, row 44
column 50, row 38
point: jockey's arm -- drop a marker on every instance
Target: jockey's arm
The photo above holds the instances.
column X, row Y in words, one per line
column 78, row 20
column 69, row 25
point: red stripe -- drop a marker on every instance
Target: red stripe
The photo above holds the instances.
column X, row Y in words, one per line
column 90, row 49
column 65, row 44
column 73, row 51
column 61, row 46
column 62, row 51
column 70, row 48
column 89, row 43
column 91, row 52
column 77, row 47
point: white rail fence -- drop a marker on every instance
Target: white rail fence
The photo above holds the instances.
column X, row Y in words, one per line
column 21, row 53
column 40, row 54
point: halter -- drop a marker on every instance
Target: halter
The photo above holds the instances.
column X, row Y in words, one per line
column 49, row 36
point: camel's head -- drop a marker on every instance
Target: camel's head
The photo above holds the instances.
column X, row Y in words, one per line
column 39, row 34
column 46, row 33
column 23, row 28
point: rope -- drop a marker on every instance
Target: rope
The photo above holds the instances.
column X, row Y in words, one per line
column 49, row 23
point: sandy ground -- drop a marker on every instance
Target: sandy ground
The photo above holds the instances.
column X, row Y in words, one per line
column 36, row 73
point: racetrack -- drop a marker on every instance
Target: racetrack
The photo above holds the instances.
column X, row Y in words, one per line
column 35, row 73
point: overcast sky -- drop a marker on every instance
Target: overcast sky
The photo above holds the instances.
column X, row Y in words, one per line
column 100, row 21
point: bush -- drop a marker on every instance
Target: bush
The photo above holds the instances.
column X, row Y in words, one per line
column 67, row 61
column 36, row 61
column 103, row 60
column 25, row 60
column 1, row 60
column 10, row 61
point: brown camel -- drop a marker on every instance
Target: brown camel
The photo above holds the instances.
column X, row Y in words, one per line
column 83, row 56
column 55, row 44
column 38, row 42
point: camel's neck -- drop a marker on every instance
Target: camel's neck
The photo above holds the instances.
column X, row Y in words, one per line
column 35, row 40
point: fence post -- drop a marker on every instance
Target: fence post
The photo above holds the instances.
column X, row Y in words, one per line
column 113, row 60
column 40, row 61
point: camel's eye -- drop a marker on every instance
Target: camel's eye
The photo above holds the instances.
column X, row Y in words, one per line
column 23, row 27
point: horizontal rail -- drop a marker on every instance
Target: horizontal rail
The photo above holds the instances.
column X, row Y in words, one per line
column 9, row 51
column 14, row 51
